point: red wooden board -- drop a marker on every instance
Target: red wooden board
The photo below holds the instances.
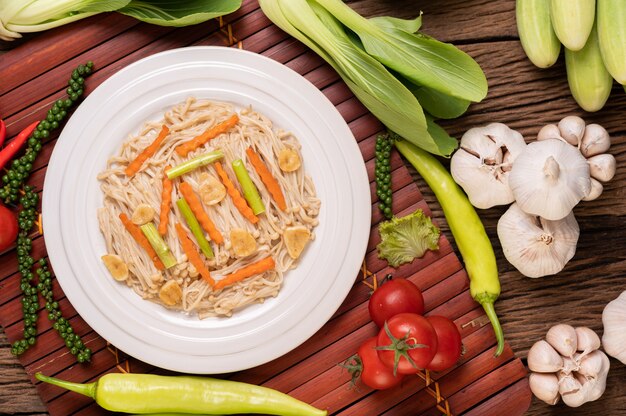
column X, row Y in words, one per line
column 479, row 385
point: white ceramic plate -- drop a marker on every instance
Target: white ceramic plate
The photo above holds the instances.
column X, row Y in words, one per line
column 311, row 292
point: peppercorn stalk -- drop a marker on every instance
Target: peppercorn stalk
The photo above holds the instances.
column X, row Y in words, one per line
column 13, row 185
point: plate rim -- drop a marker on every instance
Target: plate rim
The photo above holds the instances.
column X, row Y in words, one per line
column 361, row 199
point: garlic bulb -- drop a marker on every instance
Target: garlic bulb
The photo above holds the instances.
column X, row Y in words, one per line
column 581, row 377
column 614, row 321
column 481, row 165
column 535, row 246
column 549, row 178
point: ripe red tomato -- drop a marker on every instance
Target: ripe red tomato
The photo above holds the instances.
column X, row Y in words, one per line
column 399, row 340
column 8, row 228
column 393, row 297
column 373, row 372
column 448, row 343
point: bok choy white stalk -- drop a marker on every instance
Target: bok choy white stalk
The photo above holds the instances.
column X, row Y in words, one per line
column 390, row 68
column 22, row 16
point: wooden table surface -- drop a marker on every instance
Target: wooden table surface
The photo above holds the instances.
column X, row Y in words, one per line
column 525, row 98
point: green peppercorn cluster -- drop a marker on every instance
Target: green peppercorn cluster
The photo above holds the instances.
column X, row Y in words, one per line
column 383, row 173
column 12, row 182
column 30, row 299
column 20, row 168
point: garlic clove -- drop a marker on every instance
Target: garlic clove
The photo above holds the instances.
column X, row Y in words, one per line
column 542, row 358
column 568, row 384
column 549, row 131
column 563, row 338
column 572, row 129
column 545, row 386
column 586, row 340
column 574, row 398
column 592, row 365
column 613, row 320
column 595, row 191
column 595, row 141
column 602, row 167
column 596, row 388
column 535, row 246
column 549, row 178
column 483, row 161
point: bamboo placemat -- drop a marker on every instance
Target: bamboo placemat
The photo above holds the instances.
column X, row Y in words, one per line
column 479, row 385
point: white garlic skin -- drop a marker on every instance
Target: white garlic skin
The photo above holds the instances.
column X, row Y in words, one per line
column 483, row 161
column 549, row 178
column 545, row 386
column 535, row 246
column 614, row 322
column 602, row 167
column 572, row 129
column 595, row 141
column 542, row 358
column 563, row 338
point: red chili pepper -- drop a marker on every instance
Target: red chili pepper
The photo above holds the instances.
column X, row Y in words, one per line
column 16, row 144
column 3, row 131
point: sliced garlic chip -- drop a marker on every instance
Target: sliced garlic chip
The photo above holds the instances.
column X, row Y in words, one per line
column 116, row 266
column 143, row 214
column 296, row 239
column 289, row 160
column 242, row 242
column 211, row 189
column 171, row 293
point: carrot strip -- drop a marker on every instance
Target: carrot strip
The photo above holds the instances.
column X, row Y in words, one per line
column 142, row 240
column 198, row 211
column 267, row 178
column 210, row 133
column 238, row 200
column 166, row 199
column 192, row 255
column 135, row 165
column 257, row 267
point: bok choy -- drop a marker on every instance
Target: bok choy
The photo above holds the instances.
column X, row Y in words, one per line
column 405, row 78
column 22, row 16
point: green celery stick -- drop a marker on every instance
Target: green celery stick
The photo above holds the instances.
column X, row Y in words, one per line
column 195, row 228
column 195, row 163
column 157, row 243
column 247, row 186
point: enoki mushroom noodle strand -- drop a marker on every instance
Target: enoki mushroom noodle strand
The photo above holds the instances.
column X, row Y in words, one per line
column 122, row 194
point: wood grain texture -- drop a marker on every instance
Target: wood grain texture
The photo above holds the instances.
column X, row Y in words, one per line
column 520, row 95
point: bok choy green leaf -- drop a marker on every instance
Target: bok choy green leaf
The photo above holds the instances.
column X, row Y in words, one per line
column 23, row 16
column 420, row 58
column 447, row 79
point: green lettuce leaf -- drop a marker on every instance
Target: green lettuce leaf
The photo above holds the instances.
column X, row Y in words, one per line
column 178, row 12
column 407, row 238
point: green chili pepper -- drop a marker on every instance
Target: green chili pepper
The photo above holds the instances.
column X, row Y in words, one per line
column 467, row 229
column 148, row 393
